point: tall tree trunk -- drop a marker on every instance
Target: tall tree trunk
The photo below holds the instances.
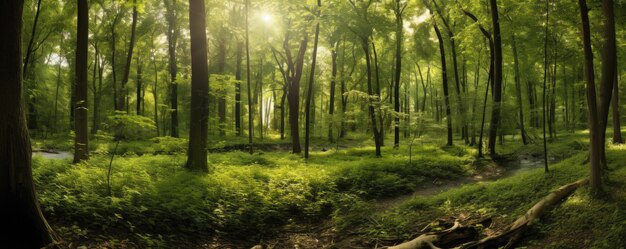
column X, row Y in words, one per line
column 122, row 101
column 399, row 9
column 155, row 89
column 545, row 79
column 333, row 82
column 595, row 176
column 518, row 91
column 172, row 37
column 617, row 126
column 81, row 139
column 239, row 55
column 497, row 81
column 198, row 128
column 56, row 97
column 444, row 78
column 139, row 87
column 370, row 92
column 381, row 131
column 25, row 226
column 221, row 102
column 113, row 62
column 307, row 110
column 609, row 69
column 250, row 117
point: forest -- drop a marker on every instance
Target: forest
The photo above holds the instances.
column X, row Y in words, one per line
column 263, row 124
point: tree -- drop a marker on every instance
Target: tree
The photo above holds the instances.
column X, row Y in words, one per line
column 497, row 78
column 172, row 38
column 398, row 11
column 307, row 110
column 122, row 104
column 81, row 139
column 198, row 125
column 250, row 117
column 598, row 112
column 25, row 226
column 444, row 80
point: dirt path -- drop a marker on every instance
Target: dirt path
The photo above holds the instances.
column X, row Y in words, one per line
column 493, row 171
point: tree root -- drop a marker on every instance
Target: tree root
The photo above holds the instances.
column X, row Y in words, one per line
column 453, row 237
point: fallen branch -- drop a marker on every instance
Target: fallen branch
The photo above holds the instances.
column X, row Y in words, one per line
column 459, row 233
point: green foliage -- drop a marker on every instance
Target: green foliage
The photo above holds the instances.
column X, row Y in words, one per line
column 131, row 127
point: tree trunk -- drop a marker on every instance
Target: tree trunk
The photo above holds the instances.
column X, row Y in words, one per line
column 518, row 91
column 81, row 145
column 399, row 9
column 139, row 87
column 198, row 128
column 545, row 79
column 221, row 102
column 370, row 92
column 497, row 78
column 444, row 78
column 123, row 97
column 309, row 96
column 172, row 37
column 20, row 213
column 155, row 89
column 595, row 176
column 238, row 79
column 333, row 81
column 381, row 131
column 617, row 126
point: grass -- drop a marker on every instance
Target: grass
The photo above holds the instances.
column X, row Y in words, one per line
column 156, row 203
column 247, row 195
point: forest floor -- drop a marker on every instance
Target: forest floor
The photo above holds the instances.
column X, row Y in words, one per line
column 342, row 197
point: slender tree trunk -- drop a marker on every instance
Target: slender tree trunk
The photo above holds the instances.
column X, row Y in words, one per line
column 370, row 92
column 139, row 87
column 595, row 176
column 81, row 140
column 238, row 78
column 617, row 126
column 25, row 226
column 333, row 81
column 482, row 123
column 307, row 111
column 198, row 128
column 381, row 131
column 172, row 37
column 56, row 97
column 155, row 94
column 497, row 81
column 399, row 9
column 124, row 97
column 518, row 91
column 250, row 117
column 609, row 69
column 221, row 102
column 444, row 78
column 545, row 79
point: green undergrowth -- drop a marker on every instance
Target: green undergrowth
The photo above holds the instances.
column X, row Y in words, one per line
column 579, row 222
column 245, row 195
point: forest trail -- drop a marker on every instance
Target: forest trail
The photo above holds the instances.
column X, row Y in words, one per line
column 53, row 154
column 496, row 170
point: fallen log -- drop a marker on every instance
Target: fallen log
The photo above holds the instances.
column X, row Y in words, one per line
column 508, row 238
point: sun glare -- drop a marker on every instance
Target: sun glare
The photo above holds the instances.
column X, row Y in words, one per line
column 267, row 18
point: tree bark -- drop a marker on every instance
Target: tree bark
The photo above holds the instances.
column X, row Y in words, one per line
column 139, row 87
column 399, row 9
column 307, row 110
column 81, row 139
column 444, row 78
column 333, row 82
column 20, row 213
column 198, row 128
column 172, row 37
column 595, row 176
column 124, row 91
column 518, row 91
column 497, row 75
column 617, row 126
